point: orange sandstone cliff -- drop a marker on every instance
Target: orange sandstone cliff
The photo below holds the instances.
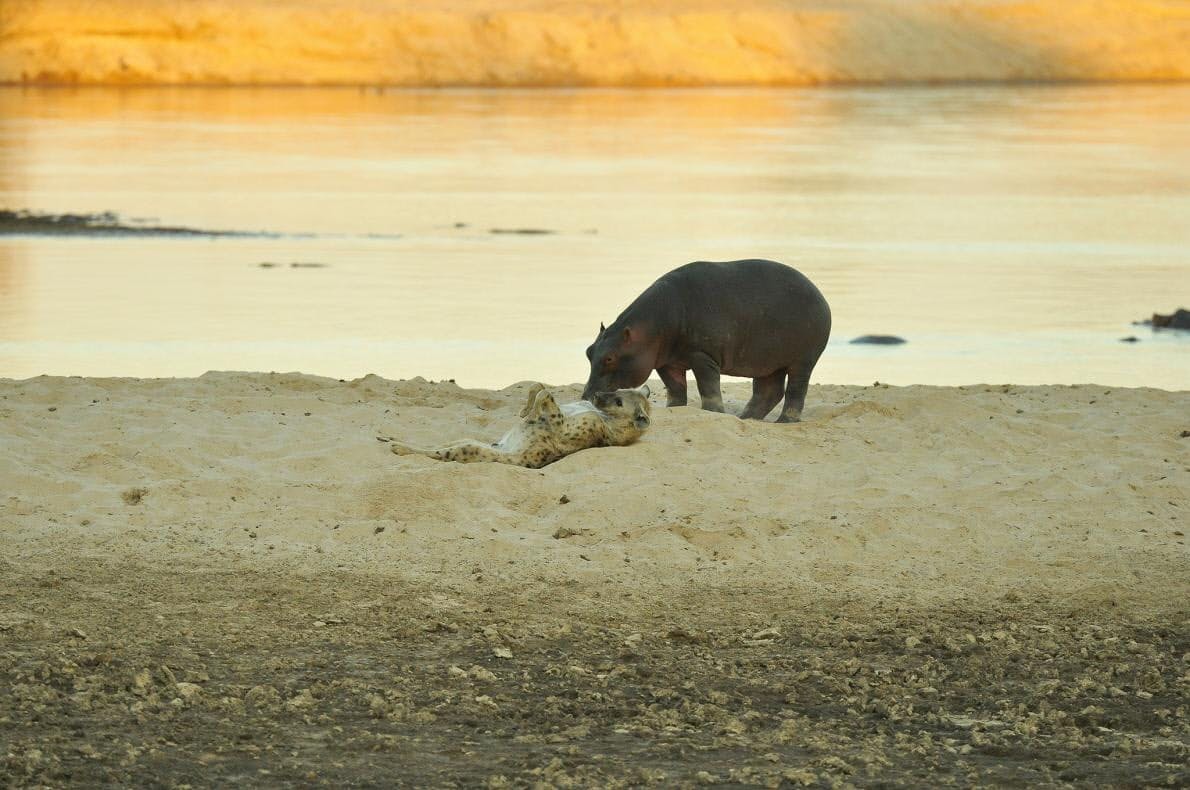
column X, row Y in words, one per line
column 590, row 42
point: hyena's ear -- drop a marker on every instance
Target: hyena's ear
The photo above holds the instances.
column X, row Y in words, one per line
column 643, row 389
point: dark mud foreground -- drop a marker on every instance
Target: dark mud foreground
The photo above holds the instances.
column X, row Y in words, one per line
column 164, row 678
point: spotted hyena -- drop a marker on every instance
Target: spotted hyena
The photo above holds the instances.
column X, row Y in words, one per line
column 548, row 431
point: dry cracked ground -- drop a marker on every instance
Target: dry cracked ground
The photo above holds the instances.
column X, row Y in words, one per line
column 134, row 675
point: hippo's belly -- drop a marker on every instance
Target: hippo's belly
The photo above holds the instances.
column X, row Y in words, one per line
column 753, row 343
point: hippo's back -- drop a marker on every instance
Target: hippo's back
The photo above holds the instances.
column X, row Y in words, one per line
column 748, row 287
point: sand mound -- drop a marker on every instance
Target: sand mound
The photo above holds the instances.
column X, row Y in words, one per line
column 596, row 42
column 1069, row 493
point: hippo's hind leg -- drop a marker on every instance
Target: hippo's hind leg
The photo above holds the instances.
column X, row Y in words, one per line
column 766, row 393
column 795, row 392
column 674, row 379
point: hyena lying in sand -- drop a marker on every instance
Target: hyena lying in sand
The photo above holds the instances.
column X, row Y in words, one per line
column 548, row 431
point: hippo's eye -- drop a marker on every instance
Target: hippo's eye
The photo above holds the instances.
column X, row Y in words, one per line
column 608, row 361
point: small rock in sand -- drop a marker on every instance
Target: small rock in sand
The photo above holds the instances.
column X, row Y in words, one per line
column 187, row 691
column 133, row 496
column 479, row 673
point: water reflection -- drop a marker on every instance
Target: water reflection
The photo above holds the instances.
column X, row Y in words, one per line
column 13, row 182
column 1010, row 233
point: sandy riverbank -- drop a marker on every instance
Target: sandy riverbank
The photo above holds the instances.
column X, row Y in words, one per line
column 917, row 491
column 228, row 577
column 590, row 42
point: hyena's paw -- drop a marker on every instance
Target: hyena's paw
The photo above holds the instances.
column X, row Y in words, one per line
column 546, row 411
column 530, row 407
column 402, row 449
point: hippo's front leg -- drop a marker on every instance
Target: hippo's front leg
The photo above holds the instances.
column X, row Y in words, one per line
column 706, row 373
column 674, row 379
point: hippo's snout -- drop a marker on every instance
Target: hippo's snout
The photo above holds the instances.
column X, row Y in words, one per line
column 594, row 387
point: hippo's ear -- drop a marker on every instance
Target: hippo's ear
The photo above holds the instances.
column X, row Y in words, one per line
column 643, row 389
column 602, row 329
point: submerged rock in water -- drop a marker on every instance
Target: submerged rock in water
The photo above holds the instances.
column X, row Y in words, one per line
column 1130, row 339
column 1178, row 319
column 879, row 340
column 102, row 224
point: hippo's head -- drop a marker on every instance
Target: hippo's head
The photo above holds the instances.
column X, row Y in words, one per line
column 620, row 358
column 626, row 404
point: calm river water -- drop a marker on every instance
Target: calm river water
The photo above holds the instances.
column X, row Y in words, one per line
column 1009, row 234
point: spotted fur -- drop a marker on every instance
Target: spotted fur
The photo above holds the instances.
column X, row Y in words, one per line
column 548, row 432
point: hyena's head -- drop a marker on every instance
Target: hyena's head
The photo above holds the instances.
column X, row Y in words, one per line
column 629, row 405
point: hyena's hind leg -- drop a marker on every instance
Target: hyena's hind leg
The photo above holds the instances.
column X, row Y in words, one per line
column 527, row 411
column 400, row 448
column 542, row 408
column 464, row 452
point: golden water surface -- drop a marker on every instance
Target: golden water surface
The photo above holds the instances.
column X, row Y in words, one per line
column 1010, row 234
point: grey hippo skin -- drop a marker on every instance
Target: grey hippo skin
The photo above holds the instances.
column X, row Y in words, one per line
column 758, row 319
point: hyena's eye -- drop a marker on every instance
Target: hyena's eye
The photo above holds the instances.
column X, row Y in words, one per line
column 619, row 402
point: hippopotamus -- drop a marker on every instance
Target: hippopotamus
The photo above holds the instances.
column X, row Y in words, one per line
column 754, row 318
